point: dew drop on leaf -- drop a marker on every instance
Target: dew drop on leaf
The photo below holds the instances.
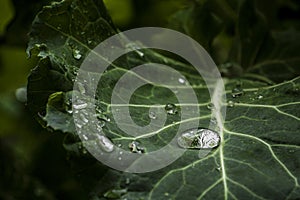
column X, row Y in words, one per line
column 230, row 104
column 105, row 143
column 101, row 123
column 237, row 91
column 76, row 54
column 198, row 138
column 211, row 106
column 80, row 106
column 181, row 80
column 152, row 115
column 171, row 109
column 134, row 147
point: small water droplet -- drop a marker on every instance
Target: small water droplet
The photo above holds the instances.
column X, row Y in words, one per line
column 198, row 138
column 83, row 118
column 78, row 125
column 171, row 109
column 237, row 91
column 181, row 80
column 121, row 152
column 166, row 194
column 219, row 169
column 81, row 88
column 101, row 123
column 76, row 54
column 134, row 47
column 119, row 158
column 231, row 104
column 80, row 106
column 152, row 115
column 135, row 148
column 85, row 137
column 260, row 96
column 211, row 106
column 105, row 143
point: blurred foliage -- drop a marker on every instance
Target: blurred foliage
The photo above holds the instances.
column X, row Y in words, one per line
column 33, row 162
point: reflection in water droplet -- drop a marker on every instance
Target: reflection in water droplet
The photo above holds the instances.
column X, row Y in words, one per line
column 171, row 109
column 181, row 80
column 231, row 104
column 152, row 115
column 211, row 106
column 135, row 148
column 76, row 54
column 105, row 143
column 198, row 138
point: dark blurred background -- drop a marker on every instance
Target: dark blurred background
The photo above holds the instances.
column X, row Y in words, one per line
column 33, row 162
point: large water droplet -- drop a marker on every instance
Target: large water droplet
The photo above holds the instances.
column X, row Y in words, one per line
column 76, row 54
column 105, row 143
column 152, row 115
column 198, row 138
column 134, row 147
column 171, row 109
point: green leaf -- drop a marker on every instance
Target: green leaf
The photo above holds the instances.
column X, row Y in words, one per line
column 259, row 153
column 62, row 34
column 263, row 53
column 199, row 22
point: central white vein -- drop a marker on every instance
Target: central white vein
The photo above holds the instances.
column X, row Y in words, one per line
column 216, row 99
